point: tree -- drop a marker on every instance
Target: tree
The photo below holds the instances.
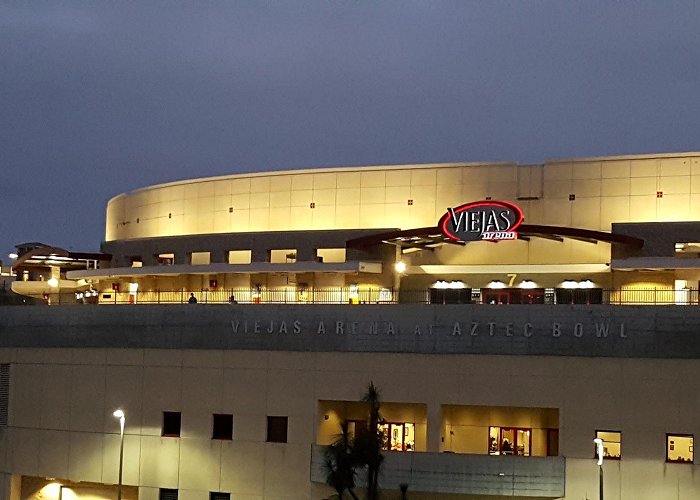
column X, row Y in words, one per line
column 372, row 442
column 341, row 462
column 349, row 453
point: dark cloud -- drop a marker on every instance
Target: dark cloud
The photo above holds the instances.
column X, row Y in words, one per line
column 100, row 98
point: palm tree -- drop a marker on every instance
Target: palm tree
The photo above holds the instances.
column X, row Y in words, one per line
column 372, row 441
column 364, row 449
column 341, row 462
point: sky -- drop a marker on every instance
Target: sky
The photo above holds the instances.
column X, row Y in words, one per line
column 99, row 98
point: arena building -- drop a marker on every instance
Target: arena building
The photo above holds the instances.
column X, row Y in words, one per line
column 509, row 314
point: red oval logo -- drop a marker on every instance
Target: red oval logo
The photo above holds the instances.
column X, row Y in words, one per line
column 482, row 220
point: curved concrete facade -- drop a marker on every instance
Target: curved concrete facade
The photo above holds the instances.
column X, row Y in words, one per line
column 606, row 190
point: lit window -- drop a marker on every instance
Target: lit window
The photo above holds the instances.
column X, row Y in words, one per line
column 166, row 259
column 679, row 448
column 509, row 441
column 612, row 442
column 689, row 249
column 330, row 255
column 239, row 256
column 283, row 256
column 200, row 258
column 398, row 436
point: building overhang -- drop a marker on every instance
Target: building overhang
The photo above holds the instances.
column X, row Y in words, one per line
column 431, row 237
column 654, row 264
column 49, row 256
column 509, row 269
column 222, row 268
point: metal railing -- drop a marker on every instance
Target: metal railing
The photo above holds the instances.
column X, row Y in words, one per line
column 352, row 295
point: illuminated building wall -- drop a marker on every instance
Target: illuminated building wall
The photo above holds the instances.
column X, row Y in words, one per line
column 604, row 190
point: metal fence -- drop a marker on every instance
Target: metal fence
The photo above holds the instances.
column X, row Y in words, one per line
column 352, row 295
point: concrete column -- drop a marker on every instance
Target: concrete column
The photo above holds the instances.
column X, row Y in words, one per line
column 10, row 486
column 434, row 438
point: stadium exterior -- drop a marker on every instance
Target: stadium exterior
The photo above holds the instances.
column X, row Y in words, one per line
column 509, row 314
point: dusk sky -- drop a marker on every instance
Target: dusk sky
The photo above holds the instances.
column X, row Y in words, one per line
column 99, row 98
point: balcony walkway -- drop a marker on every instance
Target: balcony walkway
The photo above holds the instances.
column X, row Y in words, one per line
column 509, row 476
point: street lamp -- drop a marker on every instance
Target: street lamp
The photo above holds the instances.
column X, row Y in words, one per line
column 599, row 445
column 120, row 415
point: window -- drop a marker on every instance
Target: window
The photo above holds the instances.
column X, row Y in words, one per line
column 222, row 427
column 395, row 436
column 239, row 256
column 200, row 258
column 679, row 448
column 171, row 424
column 330, row 255
column 612, row 441
column 399, row 436
column 285, row 256
column 4, row 392
column 276, row 429
column 166, row 259
column 509, row 441
column 690, row 249
column 167, row 494
column 215, row 495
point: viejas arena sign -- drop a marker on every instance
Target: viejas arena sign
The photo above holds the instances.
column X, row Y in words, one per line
column 482, row 220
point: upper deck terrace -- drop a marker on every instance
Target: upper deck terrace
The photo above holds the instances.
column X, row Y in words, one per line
column 376, row 295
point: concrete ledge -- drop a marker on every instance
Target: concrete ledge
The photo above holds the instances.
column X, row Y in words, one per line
column 603, row 331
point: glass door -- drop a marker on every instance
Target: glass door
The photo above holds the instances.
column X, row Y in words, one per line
column 509, row 441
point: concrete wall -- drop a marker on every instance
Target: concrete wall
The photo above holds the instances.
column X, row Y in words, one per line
column 661, row 187
column 597, row 330
column 190, row 359
column 62, row 399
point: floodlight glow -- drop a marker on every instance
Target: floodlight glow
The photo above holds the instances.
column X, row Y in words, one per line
column 53, row 283
column 453, row 285
column 586, row 284
column 496, row 284
column 529, row 284
column 118, row 413
column 400, row 267
column 13, row 255
column 570, row 284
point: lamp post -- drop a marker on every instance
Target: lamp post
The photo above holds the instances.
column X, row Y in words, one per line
column 119, row 413
column 599, row 445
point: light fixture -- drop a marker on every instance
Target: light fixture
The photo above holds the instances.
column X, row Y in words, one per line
column 400, row 266
column 570, row 284
column 451, row 285
column 586, row 284
column 599, row 446
column 496, row 284
column 53, row 283
column 529, row 284
column 13, row 255
column 119, row 413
